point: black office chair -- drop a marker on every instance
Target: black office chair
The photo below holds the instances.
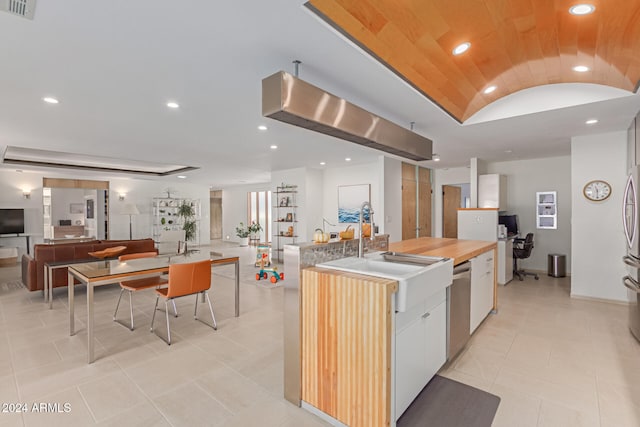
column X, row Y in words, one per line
column 521, row 250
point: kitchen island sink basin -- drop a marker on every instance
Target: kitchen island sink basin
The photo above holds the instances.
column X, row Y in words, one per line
column 418, row 277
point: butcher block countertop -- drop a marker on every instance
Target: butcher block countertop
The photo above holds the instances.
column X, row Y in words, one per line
column 459, row 250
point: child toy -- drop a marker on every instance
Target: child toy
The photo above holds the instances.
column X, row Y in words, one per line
column 264, row 272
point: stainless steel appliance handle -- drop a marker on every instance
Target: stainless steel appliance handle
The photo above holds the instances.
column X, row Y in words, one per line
column 629, row 234
column 631, row 284
column 630, row 261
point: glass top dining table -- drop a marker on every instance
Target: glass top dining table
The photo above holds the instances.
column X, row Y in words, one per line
column 104, row 272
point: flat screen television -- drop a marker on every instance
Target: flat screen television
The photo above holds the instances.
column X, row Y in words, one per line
column 11, row 221
column 511, row 222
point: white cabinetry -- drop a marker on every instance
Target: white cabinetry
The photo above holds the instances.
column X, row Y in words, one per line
column 482, row 276
column 492, row 191
column 505, row 261
column 421, row 348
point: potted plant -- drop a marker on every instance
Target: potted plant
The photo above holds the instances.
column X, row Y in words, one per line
column 242, row 231
column 187, row 212
column 254, row 230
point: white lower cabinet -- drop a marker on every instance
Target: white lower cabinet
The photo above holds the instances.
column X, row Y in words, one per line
column 482, row 274
column 421, row 348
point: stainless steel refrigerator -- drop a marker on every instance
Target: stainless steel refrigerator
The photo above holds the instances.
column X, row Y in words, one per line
column 631, row 220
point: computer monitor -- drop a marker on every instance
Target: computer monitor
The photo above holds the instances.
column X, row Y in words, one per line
column 511, row 222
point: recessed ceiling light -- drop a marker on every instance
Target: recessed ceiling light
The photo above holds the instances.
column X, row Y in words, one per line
column 274, row 147
column 591, row 121
column 435, row 157
column 323, row 163
column 347, row 159
column 508, row 151
column 581, row 68
column 262, row 127
column 182, row 176
column 173, row 104
column 461, row 48
column 582, row 9
column 490, row 89
column 50, row 100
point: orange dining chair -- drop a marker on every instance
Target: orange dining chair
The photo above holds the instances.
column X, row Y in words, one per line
column 186, row 279
column 138, row 285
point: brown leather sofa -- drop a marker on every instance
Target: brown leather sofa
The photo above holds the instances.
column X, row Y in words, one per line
column 33, row 267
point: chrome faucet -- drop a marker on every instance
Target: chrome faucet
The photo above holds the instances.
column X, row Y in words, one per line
column 372, row 235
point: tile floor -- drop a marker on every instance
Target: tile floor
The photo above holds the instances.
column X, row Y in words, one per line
column 553, row 360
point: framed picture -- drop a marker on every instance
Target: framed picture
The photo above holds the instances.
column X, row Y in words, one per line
column 89, row 208
column 76, row 208
column 350, row 197
column 289, row 217
column 284, row 201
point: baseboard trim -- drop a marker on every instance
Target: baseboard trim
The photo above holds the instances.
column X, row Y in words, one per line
column 595, row 299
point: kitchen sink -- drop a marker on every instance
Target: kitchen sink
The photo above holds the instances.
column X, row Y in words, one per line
column 418, row 276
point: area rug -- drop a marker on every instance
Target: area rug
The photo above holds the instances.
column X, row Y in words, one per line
column 448, row 403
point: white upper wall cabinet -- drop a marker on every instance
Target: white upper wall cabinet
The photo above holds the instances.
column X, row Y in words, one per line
column 492, row 191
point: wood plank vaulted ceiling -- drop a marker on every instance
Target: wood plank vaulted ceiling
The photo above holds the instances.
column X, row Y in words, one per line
column 515, row 44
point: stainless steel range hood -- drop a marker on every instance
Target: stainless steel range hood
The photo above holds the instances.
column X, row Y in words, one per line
column 294, row 101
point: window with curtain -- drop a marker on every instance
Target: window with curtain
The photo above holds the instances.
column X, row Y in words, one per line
column 259, row 211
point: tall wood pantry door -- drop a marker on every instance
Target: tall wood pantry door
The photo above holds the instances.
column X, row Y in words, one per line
column 450, row 203
column 416, row 202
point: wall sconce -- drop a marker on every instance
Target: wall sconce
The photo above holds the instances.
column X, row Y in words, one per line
column 26, row 194
column 121, row 196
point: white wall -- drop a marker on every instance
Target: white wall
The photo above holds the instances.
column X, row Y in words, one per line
column 369, row 173
column 524, row 179
column 314, row 186
column 234, row 208
column 445, row 177
column 141, row 193
column 137, row 191
column 61, row 200
column 11, row 186
column 597, row 235
column 390, row 220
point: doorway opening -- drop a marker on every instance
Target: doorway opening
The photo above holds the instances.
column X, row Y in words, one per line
column 215, row 205
column 454, row 196
column 75, row 209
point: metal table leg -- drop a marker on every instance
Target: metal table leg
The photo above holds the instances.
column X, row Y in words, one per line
column 49, row 282
column 70, row 291
column 90, row 322
column 237, row 263
column 46, row 285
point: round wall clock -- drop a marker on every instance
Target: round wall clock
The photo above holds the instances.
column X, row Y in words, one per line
column 597, row 190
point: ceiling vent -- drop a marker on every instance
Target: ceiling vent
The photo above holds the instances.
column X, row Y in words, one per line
column 23, row 8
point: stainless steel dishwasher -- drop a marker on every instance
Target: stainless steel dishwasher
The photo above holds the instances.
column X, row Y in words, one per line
column 459, row 306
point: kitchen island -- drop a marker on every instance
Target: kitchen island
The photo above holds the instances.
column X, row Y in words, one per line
column 457, row 249
column 361, row 361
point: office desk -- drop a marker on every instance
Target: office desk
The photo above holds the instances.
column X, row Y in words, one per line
column 99, row 273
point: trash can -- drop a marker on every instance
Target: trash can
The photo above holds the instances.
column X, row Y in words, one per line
column 557, row 265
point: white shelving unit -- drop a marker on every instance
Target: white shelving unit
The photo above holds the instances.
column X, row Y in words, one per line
column 547, row 209
column 284, row 218
column 165, row 216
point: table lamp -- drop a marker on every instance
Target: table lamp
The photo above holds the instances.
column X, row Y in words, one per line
column 130, row 209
